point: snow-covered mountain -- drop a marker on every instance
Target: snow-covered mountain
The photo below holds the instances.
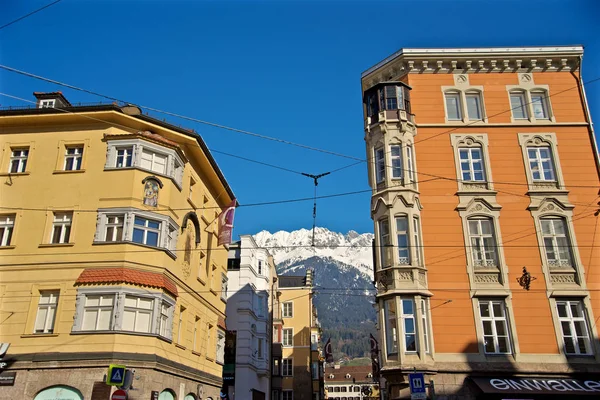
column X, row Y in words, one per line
column 288, row 248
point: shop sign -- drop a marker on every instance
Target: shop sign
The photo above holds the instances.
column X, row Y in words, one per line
column 538, row 386
column 7, row 378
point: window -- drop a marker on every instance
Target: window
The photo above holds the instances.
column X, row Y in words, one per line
column 287, row 367
column 453, row 106
column 556, row 242
column 574, row 327
column 402, row 235
column 483, row 242
column 393, row 97
column 7, row 225
column 114, row 228
column 73, row 157
column 288, row 337
column 180, row 325
column 260, row 349
column 495, row 326
column 221, row 346
column 163, row 322
column 474, row 106
column 223, row 286
column 539, row 105
column 380, row 165
column 471, row 164
column 288, row 309
column 275, row 367
column 424, row 321
column 61, row 228
column 288, row 394
column 408, row 323
column 146, row 231
column 154, row 162
column 124, row 157
column 48, row 103
column 391, row 336
column 411, row 163
column 18, row 161
column 384, row 242
column 396, row 154
column 46, row 312
column 98, row 312
column 260, row 267
column 518, row 105
column 417, row 240
column 541, row 164
column 137, row 314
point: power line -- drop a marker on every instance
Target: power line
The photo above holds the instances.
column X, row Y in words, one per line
column 27, row 15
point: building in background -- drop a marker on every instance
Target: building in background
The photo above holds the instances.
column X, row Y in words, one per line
column 251, row 282
column 482, row 162
column 302, row 364
column 109, row 253
column 350, row 383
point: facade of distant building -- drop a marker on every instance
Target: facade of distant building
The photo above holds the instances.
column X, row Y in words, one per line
column 482, row 162
column 299, row 334
column 109, row 254
column 350, row 383
column 251, row 281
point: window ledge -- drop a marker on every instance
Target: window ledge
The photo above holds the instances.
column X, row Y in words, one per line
column 43, row 245
column 170, row 253
column 210, row 358
column 62, row 171
column 182, row 347
column 15, row 173
column 7, row 247
column 37, row 335
column 196, row 353
column 115, row 332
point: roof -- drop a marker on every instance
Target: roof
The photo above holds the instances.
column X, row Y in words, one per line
column 127, row 275
column 51, row 95
column 127, row 110
column 358, row 372
column 221, row 323
column 288, row 281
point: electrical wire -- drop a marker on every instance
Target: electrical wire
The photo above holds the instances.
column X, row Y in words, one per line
column 28, row 15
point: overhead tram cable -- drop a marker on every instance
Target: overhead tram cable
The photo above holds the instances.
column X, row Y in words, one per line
column 28, row 15
column 316, row 180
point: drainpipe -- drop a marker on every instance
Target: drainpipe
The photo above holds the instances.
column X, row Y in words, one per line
column 588, row 116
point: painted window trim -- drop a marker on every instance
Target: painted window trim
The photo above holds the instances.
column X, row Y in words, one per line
column 283, row 337
column 291, row 314
column 9, row 223
column 588, row 315
column 172, row 172
column 526, row 91
column 548, row 139
column 462, row 91
column 510, row 320
column 472, row 140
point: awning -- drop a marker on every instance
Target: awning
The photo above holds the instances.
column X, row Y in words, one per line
column 524, row 386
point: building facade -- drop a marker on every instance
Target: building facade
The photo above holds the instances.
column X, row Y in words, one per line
column 299, row 334
column 485, row 176
column 109, row 254
column 251, row 281
column 350, row 383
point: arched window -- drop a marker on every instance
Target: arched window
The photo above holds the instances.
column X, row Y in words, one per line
column 166, row 394
column 190, row 396
column 59, row 392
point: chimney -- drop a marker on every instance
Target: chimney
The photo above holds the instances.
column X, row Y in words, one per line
column 309, row 277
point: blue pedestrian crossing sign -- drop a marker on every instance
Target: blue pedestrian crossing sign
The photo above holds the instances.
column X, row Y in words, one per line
column 417, row 386
column 116, row 375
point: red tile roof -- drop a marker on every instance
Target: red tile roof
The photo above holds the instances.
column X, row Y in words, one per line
column 221, row 323
column 158, row 138
column 359, row 372
column 127, row 275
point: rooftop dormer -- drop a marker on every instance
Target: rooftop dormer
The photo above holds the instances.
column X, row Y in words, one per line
column 51, row 100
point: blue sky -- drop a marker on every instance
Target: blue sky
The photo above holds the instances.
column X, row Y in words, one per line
column 284, row 69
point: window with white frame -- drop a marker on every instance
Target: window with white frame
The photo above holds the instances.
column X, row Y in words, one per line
column 518, row 104
column 47, row 103
column 164, row 319
column 61, row 227
column 471, row 164
column 453, row 108
column 46, row 312
column 556, row 242
column 154, row 162
column 146, row 231
column 288, row 337
column 474, row 109
column 137, row 314
column 409, row 325
column 114, row 228
column 402, row 238
column 7, row 225
column 220, row 346
column 483, row 242
column 287, row 367
column 98, row 312
column 18, row 160
column 288, row 309
column 396, row 157
column 574, row 327
column 494, row 322
column 541, row 164
column 417, row 241
column 384, row 242
column 539, row 104
column 410, row 160
column 73, row 157
column 124, row 157
column 391, row 333
column 380, row 164
column 223, row 286
column 425, row 323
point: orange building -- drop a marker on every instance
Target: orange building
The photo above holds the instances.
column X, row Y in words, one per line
column 485, row 173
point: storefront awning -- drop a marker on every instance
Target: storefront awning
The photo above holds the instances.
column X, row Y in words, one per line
column 525, row 387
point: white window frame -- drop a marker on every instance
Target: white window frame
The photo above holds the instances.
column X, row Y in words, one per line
column 146, row 229
column 471, row 160
column 396, row 161
column 425, row 324
column 391, row 328
column 543, row 102
column 63, row 222
column 553, row 236
column 571, row 322
column 126, row 157
column 289, row 361
column 224, row 281
column 380, row 165
column 220, row 346
column 289, row 313
column 528, row 90
column 409, row 317
column 166, row 313
column 454, row 94
column 493, row 319
column 467, row 142
column 74, row 154
column 410, row 161
column 98, row 309
column 480, row 257
column 538, row 160
column 154, row 164
column 7, row 229
column 20, row 156
column 384, row 242
column 111, row 230
column 283, row 337
column 522, row 95
column 479, row 99
column 137, row 310
column 47, row 303
column 530, row 141
column 406, row 234
column 47, row 103
column 417, row 241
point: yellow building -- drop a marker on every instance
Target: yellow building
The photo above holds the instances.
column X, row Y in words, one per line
column 108, row 254
column 301, row 367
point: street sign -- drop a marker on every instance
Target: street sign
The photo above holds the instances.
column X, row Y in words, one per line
column 417, row 386
column 119, row 395
column 116, row 375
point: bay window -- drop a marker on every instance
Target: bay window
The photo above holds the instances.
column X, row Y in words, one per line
column 409, row 325
column 137, row 314
column 403, row 242
column 380, row 165
column 391, row 333
column 396, row 156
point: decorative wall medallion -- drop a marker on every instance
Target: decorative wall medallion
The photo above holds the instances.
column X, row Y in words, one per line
column 525, row 78
column 462, row 78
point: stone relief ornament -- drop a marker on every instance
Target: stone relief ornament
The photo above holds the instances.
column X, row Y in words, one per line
column 151, row 193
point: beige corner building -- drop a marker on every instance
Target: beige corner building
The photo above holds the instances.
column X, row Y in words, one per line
column 108, row 254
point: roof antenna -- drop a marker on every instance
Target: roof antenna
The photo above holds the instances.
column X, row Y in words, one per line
column 316, row 179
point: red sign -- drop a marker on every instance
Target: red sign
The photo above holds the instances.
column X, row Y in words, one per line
column 226, row 223
column 119, row 395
